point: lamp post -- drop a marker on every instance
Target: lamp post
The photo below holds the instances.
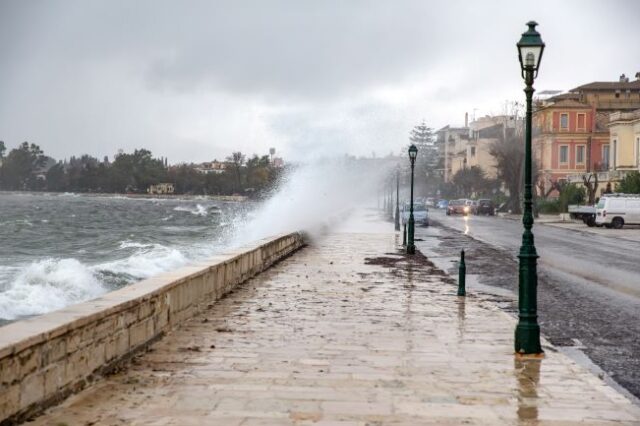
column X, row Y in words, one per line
column 390, row 212
column 527, row 336
column 397, row 221
column 411, row 247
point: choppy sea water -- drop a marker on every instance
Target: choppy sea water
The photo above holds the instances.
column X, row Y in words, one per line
column 60, row 249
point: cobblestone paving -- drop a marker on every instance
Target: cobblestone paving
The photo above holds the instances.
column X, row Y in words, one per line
column 347, row 332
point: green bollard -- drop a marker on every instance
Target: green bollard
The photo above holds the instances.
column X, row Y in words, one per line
column 462, row 272
column 404, row 235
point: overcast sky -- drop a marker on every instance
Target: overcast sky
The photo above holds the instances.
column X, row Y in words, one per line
column 196, row 80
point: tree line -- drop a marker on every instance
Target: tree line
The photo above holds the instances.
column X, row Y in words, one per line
column 27, row 168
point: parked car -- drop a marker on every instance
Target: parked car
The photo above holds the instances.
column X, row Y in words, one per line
column 459, row 207
column 442, row 204
column 617, row 210
column 486, row 207
column 420, row 213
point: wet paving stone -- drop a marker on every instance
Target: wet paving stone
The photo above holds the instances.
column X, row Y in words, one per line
column 348, row 331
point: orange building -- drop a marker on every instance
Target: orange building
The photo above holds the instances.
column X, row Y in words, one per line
column 571, row 132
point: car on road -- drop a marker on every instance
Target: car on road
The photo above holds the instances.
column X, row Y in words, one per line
column 486, row 207
column 462, row 206
column 473, row 206
column 420, row 213
column 442, row 204
column 617, row 210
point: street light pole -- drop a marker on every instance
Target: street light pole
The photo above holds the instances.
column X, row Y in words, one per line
column 390, row 212
column 397, row 221
column 411, row 247
column 527, row 335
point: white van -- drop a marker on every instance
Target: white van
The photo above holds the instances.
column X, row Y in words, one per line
column 616, row 210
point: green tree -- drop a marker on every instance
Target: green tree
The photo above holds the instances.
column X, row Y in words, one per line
column 56, row 178
column 630, row 184
column 508, row 152
column 472, row 181
column 237, row 161
column 187, row 179
column 3, row 149
column 20, row 166
column 423, row 138
column 427, row 179
column 571, row 194
column 135, row 172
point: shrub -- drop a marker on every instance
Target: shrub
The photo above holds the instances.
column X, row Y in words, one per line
column 630, row 184
column 549, row 206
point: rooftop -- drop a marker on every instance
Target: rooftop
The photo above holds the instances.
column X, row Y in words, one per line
column 609, row 85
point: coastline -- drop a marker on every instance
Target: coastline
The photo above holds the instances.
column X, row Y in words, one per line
column 232, row 198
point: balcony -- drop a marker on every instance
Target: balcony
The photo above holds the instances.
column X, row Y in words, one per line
column 606, row 176
column 624, row 116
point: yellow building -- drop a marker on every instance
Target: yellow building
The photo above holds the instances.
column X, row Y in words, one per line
column 624, row 133
column 161, row 188
column 485, row 132
column 452, row 142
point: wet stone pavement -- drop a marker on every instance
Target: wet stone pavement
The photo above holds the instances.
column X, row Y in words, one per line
column 573, row 314
column 348, row 331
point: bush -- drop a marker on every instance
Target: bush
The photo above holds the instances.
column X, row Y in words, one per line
column 630, row 184
column 571, row 194
column 549, row 206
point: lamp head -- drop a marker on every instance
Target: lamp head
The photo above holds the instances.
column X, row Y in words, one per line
column 530, row 48
column 413, row 152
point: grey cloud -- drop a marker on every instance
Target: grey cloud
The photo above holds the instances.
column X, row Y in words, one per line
column 187, row 78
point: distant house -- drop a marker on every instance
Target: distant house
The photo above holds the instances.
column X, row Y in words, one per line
column 215, row 166
column 277, row 162
column 161, row 188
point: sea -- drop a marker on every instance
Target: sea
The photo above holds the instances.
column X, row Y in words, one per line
column 61, row 249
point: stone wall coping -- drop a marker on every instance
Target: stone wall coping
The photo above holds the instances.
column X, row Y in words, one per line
column 22, row 334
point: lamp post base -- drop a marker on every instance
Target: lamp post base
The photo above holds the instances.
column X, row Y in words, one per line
column 528, row 339
column 411, row 247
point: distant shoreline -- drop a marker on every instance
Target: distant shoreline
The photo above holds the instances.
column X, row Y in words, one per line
column 234, row 198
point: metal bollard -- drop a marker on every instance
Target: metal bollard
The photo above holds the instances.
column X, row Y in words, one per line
column 404, row 235
column 462, row 272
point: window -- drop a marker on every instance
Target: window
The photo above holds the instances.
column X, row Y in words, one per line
column 473, row 151
column 582, row 120
column 564, row 121
column 605, row 157
column 615, row 149
column 564, row 154
column 580, row 150
column 638, row 151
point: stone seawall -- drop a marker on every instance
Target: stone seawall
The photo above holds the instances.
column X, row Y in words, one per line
column 46, row 358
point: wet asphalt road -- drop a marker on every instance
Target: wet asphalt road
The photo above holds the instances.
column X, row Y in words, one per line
column 588, row 285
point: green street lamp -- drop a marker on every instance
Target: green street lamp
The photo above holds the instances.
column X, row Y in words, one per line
column 390, row 212
column 397, row 221
column 527, row 336
column 411, row 247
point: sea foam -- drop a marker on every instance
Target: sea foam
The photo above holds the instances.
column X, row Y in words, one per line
column 47, row 285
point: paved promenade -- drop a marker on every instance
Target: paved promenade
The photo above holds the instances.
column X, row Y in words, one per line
column 347, row 332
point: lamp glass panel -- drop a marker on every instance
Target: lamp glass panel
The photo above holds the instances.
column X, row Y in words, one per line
column 530, row 56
